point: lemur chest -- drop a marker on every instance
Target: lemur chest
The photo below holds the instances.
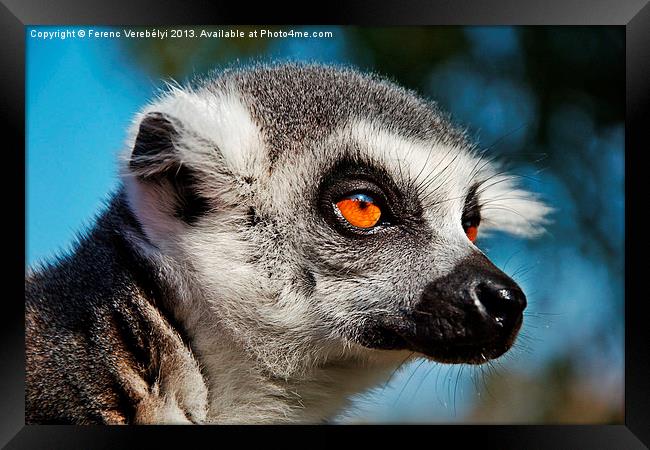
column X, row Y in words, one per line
column 248, row 396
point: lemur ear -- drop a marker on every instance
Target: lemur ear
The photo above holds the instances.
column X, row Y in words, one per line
column 154, row 152
column 156, row 161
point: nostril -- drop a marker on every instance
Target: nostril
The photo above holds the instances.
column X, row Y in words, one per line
column 503, row 303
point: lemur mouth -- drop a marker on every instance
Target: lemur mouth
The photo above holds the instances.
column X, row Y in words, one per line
column 434, row 345
column 479, row 351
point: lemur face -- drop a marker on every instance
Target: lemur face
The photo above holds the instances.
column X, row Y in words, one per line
column 317, row 211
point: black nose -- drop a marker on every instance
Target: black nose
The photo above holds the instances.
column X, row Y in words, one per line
column 501, row 300
column 472, row 314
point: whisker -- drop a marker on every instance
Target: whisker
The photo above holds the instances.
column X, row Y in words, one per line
column 428, row 372
column 445, row 169
column 390, row 378
column 408, row 381
column 460, row 371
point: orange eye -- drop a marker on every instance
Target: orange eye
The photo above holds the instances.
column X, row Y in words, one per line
column 472, row 232
column 359, row 210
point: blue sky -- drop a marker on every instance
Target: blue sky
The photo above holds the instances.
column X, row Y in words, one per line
column 81, row 96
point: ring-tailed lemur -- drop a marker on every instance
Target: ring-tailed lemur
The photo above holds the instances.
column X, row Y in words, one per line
column 284, row 237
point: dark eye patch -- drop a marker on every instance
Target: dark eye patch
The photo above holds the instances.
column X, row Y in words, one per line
column 472, row 209
column 349, row 177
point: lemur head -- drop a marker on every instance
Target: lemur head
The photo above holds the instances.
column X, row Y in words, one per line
column 316, row 211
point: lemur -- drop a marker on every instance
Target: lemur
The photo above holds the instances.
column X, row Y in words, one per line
column 284, row 236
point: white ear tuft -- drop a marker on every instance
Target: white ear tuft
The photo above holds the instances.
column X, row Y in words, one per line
column 507, row 207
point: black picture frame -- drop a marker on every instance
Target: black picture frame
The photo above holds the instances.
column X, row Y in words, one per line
column 634, row 15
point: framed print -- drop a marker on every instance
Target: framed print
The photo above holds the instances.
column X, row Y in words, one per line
column 382, row 216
